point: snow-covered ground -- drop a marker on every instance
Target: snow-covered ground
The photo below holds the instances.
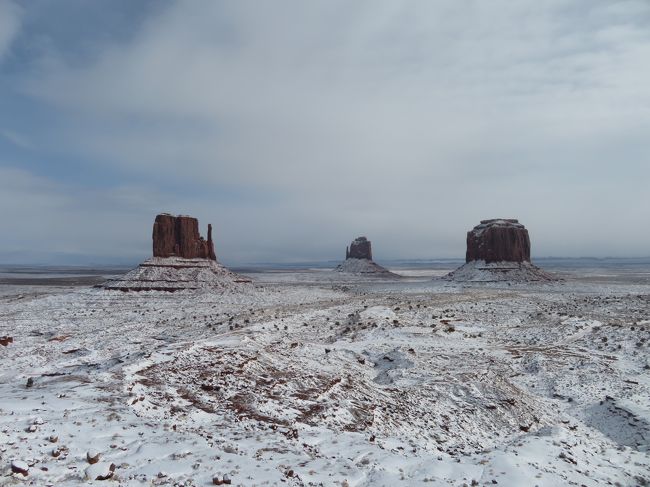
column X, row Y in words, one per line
column 314, row 378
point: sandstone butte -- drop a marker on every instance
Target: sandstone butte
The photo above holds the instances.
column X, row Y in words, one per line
column 360, row 248
column 498, row 240
column 178, row 236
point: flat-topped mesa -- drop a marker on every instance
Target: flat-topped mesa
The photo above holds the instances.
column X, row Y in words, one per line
column 360, row 248
column 498, row 240
column 498, row 250
column 178, row 236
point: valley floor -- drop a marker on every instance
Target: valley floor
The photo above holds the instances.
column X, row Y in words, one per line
column 312, row 379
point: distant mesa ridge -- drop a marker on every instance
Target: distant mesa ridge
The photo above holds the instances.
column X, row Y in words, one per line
column 178, row 236
column 498, row 250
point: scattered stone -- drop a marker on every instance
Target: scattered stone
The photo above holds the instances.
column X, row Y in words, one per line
column 53, row 439
column 6, row 340
column 20, row 467
column 92, row 456
column 100, row 471
column 30, row 382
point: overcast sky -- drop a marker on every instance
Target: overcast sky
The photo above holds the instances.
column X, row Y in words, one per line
column 295, row 126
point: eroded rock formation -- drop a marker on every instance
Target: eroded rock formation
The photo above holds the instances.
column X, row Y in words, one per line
column 182, row 260
column 498, row 250
column 358, row 260
column 360, row 248
column 178, row 236
column 498, row 240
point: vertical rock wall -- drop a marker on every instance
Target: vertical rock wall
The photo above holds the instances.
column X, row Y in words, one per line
column 498, row 240
column 360, row 248
column 178, row 236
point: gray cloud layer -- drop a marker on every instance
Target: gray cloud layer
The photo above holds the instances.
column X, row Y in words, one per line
column 295, row 126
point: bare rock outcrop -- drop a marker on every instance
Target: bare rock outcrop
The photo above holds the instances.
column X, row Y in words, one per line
column 178, row 236
column 182, row 260
column 498, row 250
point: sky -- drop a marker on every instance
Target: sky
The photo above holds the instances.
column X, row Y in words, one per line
column 294, row 127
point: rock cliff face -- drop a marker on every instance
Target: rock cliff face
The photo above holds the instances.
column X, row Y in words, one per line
column 178, row 236
column 498, row 240
column 360, row 248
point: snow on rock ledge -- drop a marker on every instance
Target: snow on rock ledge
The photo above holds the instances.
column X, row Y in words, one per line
column 175, row 274
column 363, row 266
column 481, row 271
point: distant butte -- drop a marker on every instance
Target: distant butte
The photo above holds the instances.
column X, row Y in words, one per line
column 498, row 240
column 358, row 260
column 360, row 248
column 498, row 250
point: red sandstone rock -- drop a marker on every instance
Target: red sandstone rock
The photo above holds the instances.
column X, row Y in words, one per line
column 498, row 240
column 178, row 236
column 360, row 248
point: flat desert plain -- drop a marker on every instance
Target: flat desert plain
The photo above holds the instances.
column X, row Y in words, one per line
column 312, row 377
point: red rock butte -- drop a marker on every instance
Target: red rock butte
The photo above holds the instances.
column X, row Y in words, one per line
column 178, row 236
column 498, row 240
column 360, row 248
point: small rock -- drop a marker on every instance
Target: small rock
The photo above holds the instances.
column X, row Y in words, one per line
column 30, row 382
column 6, row 340
column 20, row 467
column 100, row 471
column 92, row 456
column 53, row 439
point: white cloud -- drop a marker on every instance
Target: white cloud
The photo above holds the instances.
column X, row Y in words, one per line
column 405, row 121
column 10, row 15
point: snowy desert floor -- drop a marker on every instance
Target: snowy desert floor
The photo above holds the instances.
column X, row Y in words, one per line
column 309, row 378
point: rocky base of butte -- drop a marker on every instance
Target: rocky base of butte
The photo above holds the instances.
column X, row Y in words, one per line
column 498, row 250
column 182, row 260
column 358, row 260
